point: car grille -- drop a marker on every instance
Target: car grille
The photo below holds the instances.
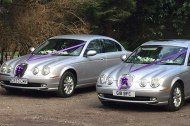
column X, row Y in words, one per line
column 23, row 85
column 136, row 98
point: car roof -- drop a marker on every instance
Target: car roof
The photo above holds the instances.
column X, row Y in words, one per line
column 172, row 42
column 83, row 37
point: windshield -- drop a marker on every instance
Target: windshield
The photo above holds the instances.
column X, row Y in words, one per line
column 61, row 47
column 165, row 54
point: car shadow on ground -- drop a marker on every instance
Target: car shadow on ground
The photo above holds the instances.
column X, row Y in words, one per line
column 43, row 94
column 187, row 103
column 85, row 90
column 139, row 107
column 134, row 107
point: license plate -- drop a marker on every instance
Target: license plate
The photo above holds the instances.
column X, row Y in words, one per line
column 19, row 81
column 123, row 93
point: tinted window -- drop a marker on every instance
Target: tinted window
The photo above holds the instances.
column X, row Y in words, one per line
column 95, row 45
column 118, row 46
column 111, row 46
column 188, row 61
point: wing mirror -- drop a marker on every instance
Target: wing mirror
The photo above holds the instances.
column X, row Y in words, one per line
column 91, row 53
column 123, row 57
column 32, row 49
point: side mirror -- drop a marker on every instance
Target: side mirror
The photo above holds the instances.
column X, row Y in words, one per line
column 91, row 53
column 32, row 49
column 123, row 57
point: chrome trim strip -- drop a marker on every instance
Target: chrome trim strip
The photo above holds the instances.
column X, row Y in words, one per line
column 30, row 88
column 129, row 101
column 4, row 74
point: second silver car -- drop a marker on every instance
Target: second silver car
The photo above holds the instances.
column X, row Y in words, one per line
column 156, row 73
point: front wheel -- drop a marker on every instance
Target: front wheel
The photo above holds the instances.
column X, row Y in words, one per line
column 67, row 85
column 176, row 99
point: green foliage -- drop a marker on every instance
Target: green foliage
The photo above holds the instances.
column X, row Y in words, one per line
column 156, row 19
column 7, row 1
column 108, row 12
column 113, row 10
column 166, row 14
column 132, row 22
column 138, row 21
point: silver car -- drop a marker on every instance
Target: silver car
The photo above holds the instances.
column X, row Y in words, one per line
column 62, row 63
column 156, row 73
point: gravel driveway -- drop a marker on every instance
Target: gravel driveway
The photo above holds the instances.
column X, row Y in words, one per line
column 33, row 108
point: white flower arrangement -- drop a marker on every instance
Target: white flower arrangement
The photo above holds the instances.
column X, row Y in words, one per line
column 47, row 51
column 145, row 59
column 148, row 60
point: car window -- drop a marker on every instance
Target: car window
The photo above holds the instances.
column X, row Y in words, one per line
column 188, row 61
column 95, row 45
column 162, row 54
column 54, row 45
column 111, row 46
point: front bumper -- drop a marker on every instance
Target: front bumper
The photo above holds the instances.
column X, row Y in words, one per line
column 142, row 96
column 44, row 84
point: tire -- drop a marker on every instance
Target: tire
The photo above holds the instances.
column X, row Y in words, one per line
column 67, row 85
column 176, row 99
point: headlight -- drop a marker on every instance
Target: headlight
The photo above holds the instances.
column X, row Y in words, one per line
column 102, row 79
column 109, row 80
column 46, row 70
column 4, row 68
column 143, row 83
column 9, row 68
column 35, row 71
column 154, row 83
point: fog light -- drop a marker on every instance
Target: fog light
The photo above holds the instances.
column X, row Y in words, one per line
column 44, row 85
column 101, row 95
column 153, row 99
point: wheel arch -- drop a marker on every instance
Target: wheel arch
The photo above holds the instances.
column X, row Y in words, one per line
column 70, row 69
column 171, row 105
column 73, row 71
column 179, row 80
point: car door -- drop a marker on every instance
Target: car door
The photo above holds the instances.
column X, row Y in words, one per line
column 113, row 52
column 92, row 66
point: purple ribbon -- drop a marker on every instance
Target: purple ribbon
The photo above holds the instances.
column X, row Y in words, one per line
column 19, row 70
column 124, row 79
column 49, row 54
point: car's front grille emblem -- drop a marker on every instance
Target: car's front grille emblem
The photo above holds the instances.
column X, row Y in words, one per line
column 20, row 69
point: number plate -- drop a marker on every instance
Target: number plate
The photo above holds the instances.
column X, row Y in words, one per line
column 123, row 93
column 19, row 81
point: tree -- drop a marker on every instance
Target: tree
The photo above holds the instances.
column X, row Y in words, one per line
column 160, row 19
column 106, row 14
column 27, row 23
